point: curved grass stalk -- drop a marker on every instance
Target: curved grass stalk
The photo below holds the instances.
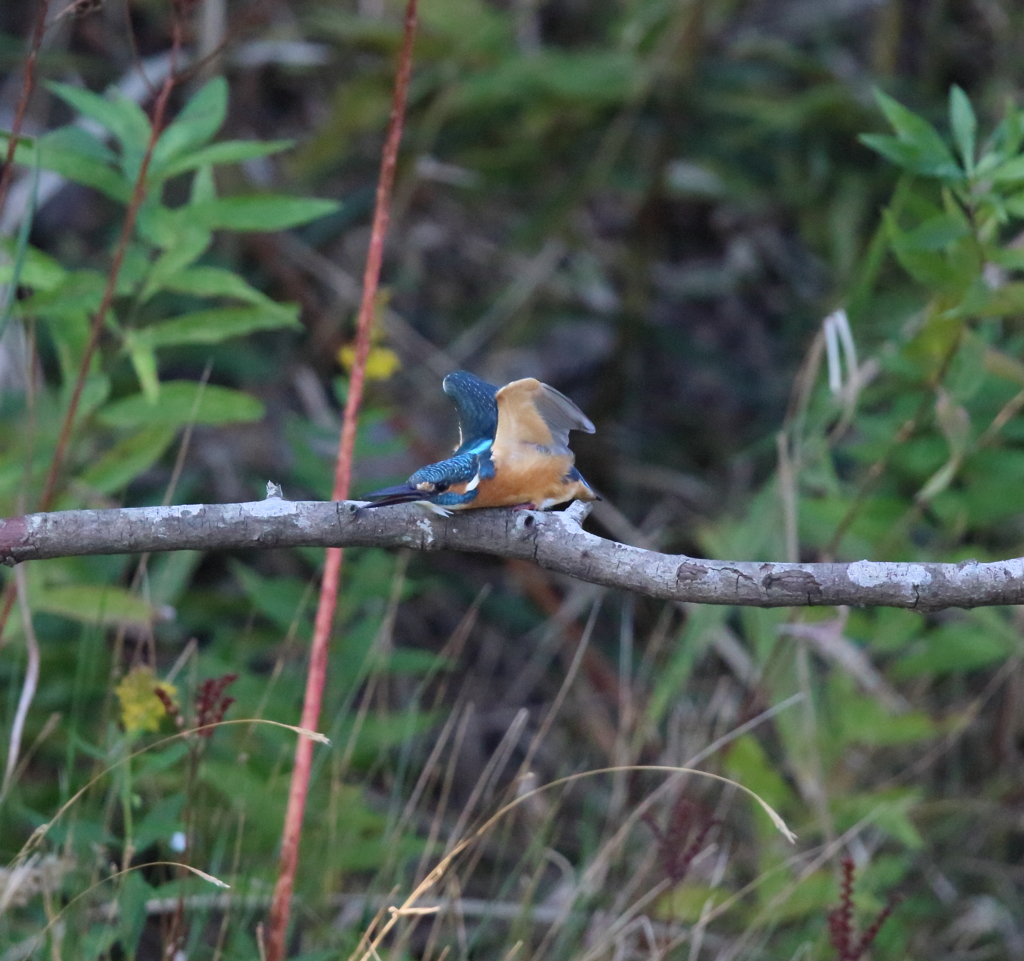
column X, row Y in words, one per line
column 368, row 946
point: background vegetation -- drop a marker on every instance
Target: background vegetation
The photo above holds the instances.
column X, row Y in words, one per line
column 651, row 204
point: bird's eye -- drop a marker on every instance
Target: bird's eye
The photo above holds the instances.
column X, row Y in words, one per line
column 441, row 488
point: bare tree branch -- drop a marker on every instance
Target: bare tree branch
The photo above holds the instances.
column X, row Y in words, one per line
column 555, row 541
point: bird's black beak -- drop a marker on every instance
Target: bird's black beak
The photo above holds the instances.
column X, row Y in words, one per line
column 402, row 494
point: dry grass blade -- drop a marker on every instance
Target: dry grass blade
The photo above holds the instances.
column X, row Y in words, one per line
column 28, row 688
column 40, row 832
column 367, row 948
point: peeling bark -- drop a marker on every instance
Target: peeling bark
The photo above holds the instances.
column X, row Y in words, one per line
column 556, row 541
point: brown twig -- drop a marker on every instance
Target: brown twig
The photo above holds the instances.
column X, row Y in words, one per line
column 26, row 94
column 555, row 541
column 6, row 175
column 138, row 195
column 316, row 675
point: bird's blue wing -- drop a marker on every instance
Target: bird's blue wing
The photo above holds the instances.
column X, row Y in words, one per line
column 460, row 469
column 475, row 402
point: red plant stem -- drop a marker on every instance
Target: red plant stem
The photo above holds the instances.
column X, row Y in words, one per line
column 26, row 94
column 328, row 601
column 868, row 938
column 841, row 918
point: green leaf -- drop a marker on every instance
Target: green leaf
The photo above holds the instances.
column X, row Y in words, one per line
column 95, row 393
column 127, row 459
column 888, row 810
column 170, row 575
column 936, row 233
column 587, row 77
column 1012, row 258
column 967, row 372
column 20, row 253
column 93, row 604
column 382, row 36
column 281, row 599
column 909, row 127
column 204, row 187
column 1015, row 205
column 470, row 25
column 1010, row 171
column 992, row 491
column 160, row 822
column 865, row 721
column 260, row 212
column 124, row 118
column 987, row 163
column 190, row 244
column 1003, row 301
column 161, row 226
column 216, row 282
column 952, row 647
column 685, row 903
column 911, row 157
column 132, row 128
column 143, row 359
column 77, row 156
column 940, row 480
column 131, row 901
column 964, row 125
column 381, row 732
column 888, row 629
column 155, row 762
column 178, row 406
column 218, row 324
column 918, row 146
column 226, row 152
column 749, row 765
column 38, row 270
column 195, row 126
column 811, row 897
column 1009, row 133
column 71, row 335
column 947, row 269
column 80, row 291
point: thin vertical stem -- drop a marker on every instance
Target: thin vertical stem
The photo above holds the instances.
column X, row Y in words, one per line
column 26, row 94
column 131, row 215
column 138, row 195
column 317, row 672
column 28, row 689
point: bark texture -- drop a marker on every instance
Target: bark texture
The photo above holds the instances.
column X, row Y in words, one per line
column 556, row 541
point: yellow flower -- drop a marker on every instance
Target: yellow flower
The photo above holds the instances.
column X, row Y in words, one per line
column 380, row 365
column 142, row 709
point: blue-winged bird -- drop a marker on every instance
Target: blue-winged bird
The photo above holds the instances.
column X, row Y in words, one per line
column 513, row 451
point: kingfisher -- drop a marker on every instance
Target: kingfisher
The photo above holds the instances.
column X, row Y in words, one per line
column 513, row 451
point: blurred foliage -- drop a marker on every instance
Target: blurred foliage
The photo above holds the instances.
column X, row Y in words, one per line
column 651, row 205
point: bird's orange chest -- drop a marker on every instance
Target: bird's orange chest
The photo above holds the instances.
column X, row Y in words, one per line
column 528, row 477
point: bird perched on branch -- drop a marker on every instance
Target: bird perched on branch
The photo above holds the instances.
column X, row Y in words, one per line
column 513, row 451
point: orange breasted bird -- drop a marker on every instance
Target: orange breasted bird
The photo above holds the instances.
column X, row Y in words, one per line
column 513, row 451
